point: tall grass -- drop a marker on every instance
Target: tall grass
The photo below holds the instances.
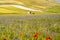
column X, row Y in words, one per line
column 25, row 27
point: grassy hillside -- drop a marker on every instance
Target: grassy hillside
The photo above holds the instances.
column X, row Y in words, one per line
column 54, row 9
column 49, row 6
column 28, row 26
column 12, row 10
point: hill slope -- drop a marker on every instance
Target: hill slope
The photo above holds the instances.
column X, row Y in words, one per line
column 44, row 5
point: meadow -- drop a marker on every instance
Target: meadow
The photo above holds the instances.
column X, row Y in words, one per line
column 23, row 24
column 30, row 27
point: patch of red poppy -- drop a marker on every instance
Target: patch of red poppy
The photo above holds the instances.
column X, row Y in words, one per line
column 35, row 35
column 48, row 38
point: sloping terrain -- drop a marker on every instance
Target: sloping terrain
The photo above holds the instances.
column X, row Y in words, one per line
column 43, row 6
column 28, row 26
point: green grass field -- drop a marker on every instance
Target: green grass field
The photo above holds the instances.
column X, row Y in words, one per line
column 12, row 10
column 53, row 9
column 24, row 27
column 18, row 24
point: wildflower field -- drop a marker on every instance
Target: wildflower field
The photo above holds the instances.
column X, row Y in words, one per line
column 30, row 27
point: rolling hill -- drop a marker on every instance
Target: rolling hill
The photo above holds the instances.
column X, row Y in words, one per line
column 46, row 6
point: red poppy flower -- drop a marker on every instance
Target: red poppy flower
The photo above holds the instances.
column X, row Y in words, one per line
column 48, row 38
column 35, row 35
